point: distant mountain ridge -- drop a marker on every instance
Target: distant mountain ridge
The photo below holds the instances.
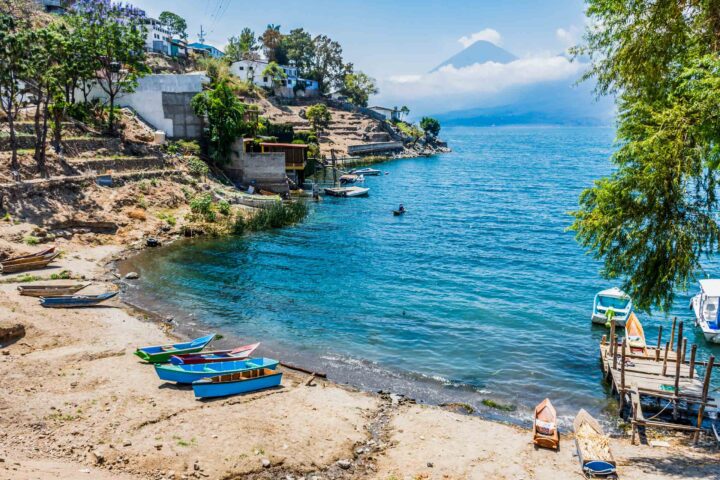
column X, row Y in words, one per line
column 558, row 102
column 481, row 51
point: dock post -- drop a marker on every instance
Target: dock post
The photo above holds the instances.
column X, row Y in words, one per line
column 683, row 351
column 706, row 388
column 659, row 345
column 672, row 333
column 613, row 346
column 603, row 340
column 667, row 347
column 678, row 359
column 622, row 377
column 693, row 352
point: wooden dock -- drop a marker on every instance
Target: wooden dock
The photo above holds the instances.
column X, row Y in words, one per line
column 663, row 373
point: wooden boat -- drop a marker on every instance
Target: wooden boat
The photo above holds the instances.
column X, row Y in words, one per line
column 48, row 291
column 192, row 372
column 397, row 213
column 705, row 305
column 545, row 430
column 34, row 263
column 75, row 301
column 347, row 191
column 42, row 253
column 162, row 353
column 609, row 304
column 216, row 356
column 635, row 335
column 593, row 447
column 235, row 383
column 369, row 172
column 349, row 178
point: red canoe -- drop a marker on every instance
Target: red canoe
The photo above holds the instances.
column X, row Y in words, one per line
column 216, row 356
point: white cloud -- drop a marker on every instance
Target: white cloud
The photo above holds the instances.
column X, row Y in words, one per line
column 480, row 79
column 489, row 35
column 568, row 36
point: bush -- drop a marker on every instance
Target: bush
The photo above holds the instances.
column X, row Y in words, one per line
column 141, row 202
column 224, row 207
column 277, row 215
column 31, row 240
column 319, row 116
column 283, row 131
column 197, row 167
column 305, row 137
column 169, row 218
column 203, row 205
column 64, row 275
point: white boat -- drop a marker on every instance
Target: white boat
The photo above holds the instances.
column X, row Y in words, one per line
column 705, row 304
column 371, row 172
column 347, row 191
column 615, row 300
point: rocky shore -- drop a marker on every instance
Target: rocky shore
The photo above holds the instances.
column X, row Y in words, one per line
column 77, row 404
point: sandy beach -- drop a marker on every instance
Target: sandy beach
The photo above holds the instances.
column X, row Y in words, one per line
column 77, row 404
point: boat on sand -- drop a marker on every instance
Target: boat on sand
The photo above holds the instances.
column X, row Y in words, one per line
column 545, row 430
column 216, row 356
column 75, row 301
column 192, row 372
column 235, row 383
column 50, row 290
column 593, row 447
column 162, row 353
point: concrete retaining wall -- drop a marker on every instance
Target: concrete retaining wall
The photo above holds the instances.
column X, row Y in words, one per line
column 267, row 170
column 163, row 101
column 373, row 148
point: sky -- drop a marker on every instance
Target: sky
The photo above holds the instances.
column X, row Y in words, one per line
column 399, row 41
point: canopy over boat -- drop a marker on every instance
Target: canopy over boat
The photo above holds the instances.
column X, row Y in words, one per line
column 710, row 287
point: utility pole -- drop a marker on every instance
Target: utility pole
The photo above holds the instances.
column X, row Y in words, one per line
column 201, row 36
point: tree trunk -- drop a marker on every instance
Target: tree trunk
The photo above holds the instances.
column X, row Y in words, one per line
column 42, row 167
column 38, row 131
column 111, row 116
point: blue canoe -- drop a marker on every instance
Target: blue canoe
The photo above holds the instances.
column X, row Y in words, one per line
column 162, row 353
column 190, row 373
column 72, row 301
column 235, row 383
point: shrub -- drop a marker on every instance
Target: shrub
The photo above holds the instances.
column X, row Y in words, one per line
column 276, row 216
column 197, row 167
column 319, row 116
column 305, row 137
column 283, row 131
column 224, row 207
column 189, row 147
column 64, row 275
column 141, row 202
column 144, row 186
column 203, row 205
column 31, row 240
column 169, row 218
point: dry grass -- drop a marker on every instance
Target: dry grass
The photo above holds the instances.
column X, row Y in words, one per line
column 137, row 214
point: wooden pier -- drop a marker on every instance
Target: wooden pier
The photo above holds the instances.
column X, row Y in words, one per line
column 666, row 373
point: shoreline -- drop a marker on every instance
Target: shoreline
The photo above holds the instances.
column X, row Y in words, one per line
column 129, row 425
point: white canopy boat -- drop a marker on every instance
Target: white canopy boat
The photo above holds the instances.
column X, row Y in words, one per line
column 705, row 304
column 366, row 171
column 347, row 191
column 615, row 300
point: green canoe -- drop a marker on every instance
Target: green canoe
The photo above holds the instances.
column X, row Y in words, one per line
column 162, row 353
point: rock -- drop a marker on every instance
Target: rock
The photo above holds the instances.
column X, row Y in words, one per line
column 6, row 352
column 171, row 474
column 132, row 276
column 344, row 464
column 359, row 451
column 158, row 446
column 97, row 457
column 84, row 470
column 10, row 331
column 265, row 463
column 127, row 443
column 430, row 465
column 196, row 466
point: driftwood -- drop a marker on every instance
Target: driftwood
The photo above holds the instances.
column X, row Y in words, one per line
column 303, row 370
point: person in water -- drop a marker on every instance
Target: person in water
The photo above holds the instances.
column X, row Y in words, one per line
column 401, row 209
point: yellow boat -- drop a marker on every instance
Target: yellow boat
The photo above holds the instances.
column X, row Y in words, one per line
column 635, row 335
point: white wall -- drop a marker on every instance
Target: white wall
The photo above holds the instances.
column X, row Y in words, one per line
column 147, row 98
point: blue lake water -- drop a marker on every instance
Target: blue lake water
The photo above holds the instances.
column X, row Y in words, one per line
column 477, row 292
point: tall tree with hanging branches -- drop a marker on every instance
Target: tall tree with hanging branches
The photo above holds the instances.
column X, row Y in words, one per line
column 654, row 219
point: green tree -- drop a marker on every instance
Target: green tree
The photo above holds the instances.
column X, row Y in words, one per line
column 327, row 63
column 243, row 47
column 404, row 111
column 272, row 41
column 175, row 23
column 431, row 127
column 275, row 72
column 117, row 40
column 358, row 87
column 300, row 49
column 225, row 120
column 654, row 218
column 319, row 116
column 14, row 42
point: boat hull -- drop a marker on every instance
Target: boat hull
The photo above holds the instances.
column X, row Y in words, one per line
column 164, row 357
column 190, row 373
column 711, row 335
column 162, row 353
column 75, row 301
column 602, row 320
column 204, row 389
column 241, row 353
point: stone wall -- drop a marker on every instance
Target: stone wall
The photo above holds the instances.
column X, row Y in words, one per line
column 266, row 170
column 176, row 107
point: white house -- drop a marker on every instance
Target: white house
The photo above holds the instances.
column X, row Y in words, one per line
column 158, row 38
column 252, row 71
column 392, row 114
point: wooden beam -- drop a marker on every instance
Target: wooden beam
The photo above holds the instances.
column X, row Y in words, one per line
column 706, row 388
column 659, row 344
column 693, row 352
column 664, row 370
column 672, row 332
column 678, row 358
column 622, row 377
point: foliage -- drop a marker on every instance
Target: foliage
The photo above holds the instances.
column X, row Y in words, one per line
column 410, row 130
column 305, row 137
column 31, row 240
column 225, row 120
column 203, row 205
column 430, row 126
column 275, row 72
column 183, row 147
column 175, row 23
column 284, row 132
column 358, row 87
column 653, row 219
column 243, row 47
column 224, row 207
column 272, row 41
column 169, row 218
column 197, row 167
column 277, row 215
column 327, row 63
column 319, row 116
column 299, row 49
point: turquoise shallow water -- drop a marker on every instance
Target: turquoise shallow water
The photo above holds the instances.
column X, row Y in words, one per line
column 477, row 292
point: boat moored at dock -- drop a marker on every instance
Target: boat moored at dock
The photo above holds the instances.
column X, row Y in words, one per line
column 368, row 172
column 705, row 305
column 610, row 304
column 347, row 192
